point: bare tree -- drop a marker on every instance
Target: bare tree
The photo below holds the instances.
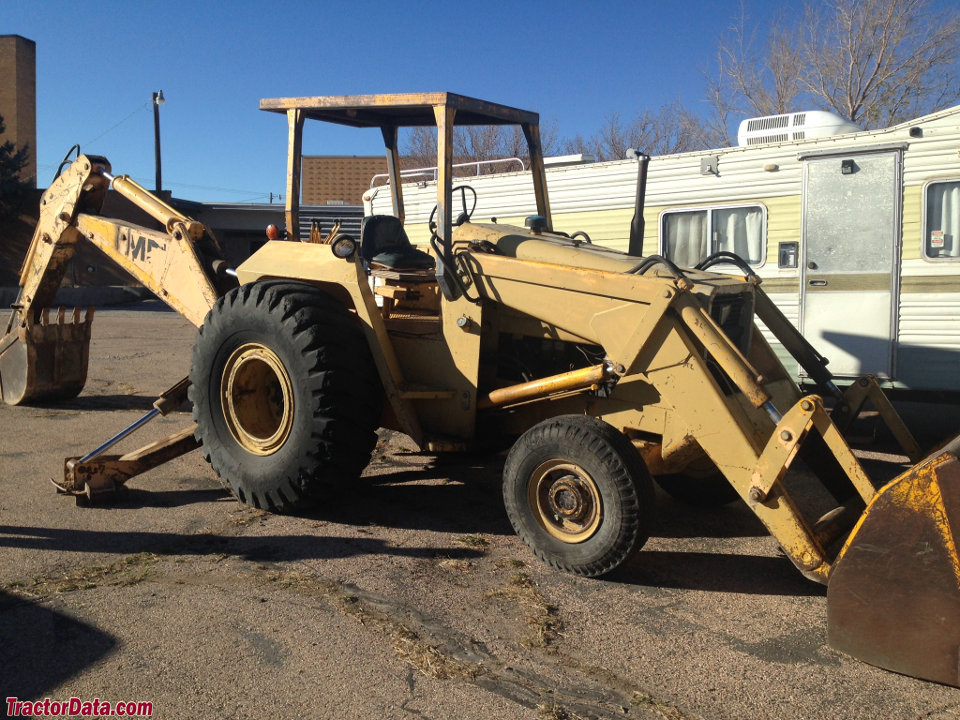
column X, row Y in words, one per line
column 418, row 148
column 514, row 144
column 874, row 62
column 879, row 62
column 611, row 140
column 475, row 143
column 754, row 76
column 759, row 81
column 670, row 129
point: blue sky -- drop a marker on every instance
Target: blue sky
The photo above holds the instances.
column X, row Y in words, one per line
column 573, row 62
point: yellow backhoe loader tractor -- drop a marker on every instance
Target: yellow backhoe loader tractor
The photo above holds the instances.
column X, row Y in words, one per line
column 604, row 370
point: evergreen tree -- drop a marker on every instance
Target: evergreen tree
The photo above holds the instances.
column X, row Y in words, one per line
column 14, row 190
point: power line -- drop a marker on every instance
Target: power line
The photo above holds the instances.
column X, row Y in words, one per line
column 114, row 127
column 246, row 195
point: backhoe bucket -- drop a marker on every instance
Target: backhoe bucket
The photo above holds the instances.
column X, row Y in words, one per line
column 893, row 598
column 46, row 360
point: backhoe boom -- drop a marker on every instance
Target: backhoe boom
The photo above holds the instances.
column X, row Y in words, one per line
column 182, row 264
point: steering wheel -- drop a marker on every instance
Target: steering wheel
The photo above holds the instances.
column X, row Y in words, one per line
column 464, row 213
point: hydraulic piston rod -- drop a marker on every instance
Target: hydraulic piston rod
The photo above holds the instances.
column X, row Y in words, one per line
column 150, row 203
column 582, row 379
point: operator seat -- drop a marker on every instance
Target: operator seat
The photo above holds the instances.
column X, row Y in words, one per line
column 384, row 243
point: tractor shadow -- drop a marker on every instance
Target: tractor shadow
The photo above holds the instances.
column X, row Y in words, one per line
column 675, row 556
column 440, row 496
column 676, row 520
column 255, row 548
column 691, row 547
column 465, row 497
column 716, row 572
column 133, row 498
column 41, row 648
column 110, row 402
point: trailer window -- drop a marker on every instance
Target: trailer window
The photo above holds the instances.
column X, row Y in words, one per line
column 689, row 236
column 941, row 221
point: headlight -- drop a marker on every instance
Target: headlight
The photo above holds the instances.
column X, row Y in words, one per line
column 344, row 247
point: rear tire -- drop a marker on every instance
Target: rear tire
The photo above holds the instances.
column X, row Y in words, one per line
column 285, row 394
column 578, row 494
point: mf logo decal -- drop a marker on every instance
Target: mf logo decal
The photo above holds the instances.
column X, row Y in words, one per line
column 139, row 248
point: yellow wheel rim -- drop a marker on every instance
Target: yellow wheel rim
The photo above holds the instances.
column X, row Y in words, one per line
column 257, row 397
column 565, row 501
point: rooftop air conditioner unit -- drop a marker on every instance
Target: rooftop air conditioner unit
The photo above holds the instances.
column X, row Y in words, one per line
column 793, row 126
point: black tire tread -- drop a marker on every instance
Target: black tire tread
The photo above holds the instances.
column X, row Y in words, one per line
column 331, row 354
column 616, row 458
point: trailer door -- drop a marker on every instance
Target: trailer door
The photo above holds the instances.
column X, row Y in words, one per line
column 851, row 238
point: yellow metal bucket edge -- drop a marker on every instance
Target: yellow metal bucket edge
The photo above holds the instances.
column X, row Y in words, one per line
column 893, row 597
column 47, row 359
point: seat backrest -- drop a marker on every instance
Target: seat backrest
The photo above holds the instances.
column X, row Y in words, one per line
column 384, row 243
column 381, row 234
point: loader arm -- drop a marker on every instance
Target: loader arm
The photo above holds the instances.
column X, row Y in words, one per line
column 182, row 264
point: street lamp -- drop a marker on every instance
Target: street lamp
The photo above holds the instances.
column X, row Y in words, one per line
column 157, row 102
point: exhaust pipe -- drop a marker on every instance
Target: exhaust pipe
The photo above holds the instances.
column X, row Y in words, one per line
column 635, row 247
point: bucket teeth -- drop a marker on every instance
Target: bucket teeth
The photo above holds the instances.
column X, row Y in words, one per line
column 77, row 329
column 46, row 360
column 893, row 598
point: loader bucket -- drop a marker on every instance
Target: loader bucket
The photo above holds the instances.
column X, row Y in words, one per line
column 46, row 360
column 893, row 598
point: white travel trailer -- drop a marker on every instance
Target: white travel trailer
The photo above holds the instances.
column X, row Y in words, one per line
column 855, row 235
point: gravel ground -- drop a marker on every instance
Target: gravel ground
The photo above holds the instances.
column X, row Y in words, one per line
column 408, row 596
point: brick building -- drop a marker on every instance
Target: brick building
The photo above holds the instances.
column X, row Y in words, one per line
column 338, row 179
column 18, row 96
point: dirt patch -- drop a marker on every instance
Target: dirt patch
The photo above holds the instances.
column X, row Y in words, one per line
column 541, row 617
column 130, row 570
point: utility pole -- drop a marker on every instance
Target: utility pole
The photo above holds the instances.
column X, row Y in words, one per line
column 157, row 102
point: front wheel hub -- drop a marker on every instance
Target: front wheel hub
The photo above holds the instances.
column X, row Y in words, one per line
column 565, row 500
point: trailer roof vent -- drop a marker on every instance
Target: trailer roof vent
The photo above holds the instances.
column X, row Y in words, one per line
column 793, row 126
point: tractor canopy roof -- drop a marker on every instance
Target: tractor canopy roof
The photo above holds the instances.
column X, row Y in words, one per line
column 400, row 109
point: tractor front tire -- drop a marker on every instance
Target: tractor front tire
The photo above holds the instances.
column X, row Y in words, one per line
column 577, row 493
column 285, row 394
